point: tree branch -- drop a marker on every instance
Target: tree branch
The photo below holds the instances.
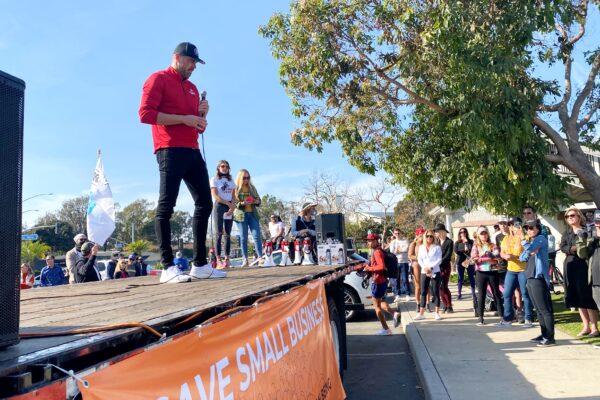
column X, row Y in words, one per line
column 554, row 136
column 554, row 159
column 416, row 98
column 587, row 89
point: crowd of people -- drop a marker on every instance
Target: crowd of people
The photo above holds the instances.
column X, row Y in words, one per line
column 82, row 266
column 512, row 266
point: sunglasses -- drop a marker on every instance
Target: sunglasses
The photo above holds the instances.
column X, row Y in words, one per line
column 571, row 216
column 429, row 236
column 224, row 166
column 530, row 228
column 484, row 233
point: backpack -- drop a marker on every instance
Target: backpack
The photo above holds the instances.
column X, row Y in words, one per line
column 391, row 264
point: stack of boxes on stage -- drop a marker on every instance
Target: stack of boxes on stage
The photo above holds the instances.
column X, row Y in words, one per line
column 12, row 100
column 331, row 248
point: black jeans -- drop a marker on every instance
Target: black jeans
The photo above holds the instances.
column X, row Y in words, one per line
column 436, row 283
column 176, row 164
column 539, row 293
column 222, row 228
column 482, row 279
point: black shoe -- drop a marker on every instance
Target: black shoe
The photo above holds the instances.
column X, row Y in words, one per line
column 418, row 308
column 449, row 310
column 546, row 343
column 537, row 339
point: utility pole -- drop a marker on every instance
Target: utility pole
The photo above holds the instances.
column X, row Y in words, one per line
column 132, row 232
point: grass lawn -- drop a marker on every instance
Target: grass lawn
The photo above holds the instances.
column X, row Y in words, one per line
column 568, row 321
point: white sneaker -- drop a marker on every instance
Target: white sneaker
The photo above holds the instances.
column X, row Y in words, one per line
column 397, row 320
column 173, row 275
column 528, row 324
column 419, row 317
column 504, row 324
column 407, row 298
column 206, row 271
column 384, row 332
column 437, row 316
column 397, row 299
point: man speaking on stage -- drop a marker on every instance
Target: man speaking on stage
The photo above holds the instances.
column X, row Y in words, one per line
column 172, row 105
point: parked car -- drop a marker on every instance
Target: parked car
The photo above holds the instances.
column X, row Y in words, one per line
column 355, row 294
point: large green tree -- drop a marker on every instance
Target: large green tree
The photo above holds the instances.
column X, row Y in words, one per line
column 444, row 95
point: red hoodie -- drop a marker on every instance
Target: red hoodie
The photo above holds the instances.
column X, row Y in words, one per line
column 167, row 92
column 377, row 266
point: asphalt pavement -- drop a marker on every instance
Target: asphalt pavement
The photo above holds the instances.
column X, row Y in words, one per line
column 379, row 367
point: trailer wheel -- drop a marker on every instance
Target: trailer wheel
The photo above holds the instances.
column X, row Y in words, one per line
column 350, row 297
column 336, row 333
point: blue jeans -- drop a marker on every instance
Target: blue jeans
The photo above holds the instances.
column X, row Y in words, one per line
column 250, row 221
column 403, row 278
column 510, row 285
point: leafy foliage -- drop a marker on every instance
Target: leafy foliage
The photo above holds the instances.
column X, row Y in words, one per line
column 437, row 94
column 33, row 250
column 411, row 214
column 139, row 246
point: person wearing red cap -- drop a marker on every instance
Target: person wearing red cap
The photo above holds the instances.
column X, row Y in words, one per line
column 174, row 108
column 379, row 285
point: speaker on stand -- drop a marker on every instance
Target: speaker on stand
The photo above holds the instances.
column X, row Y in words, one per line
column 12, row 102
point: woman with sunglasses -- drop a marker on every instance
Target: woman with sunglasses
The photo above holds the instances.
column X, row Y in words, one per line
column 430, row 258
column 485, row 255
column 246, row 215
column 462, row 248
column 535, row 255
column 222, row 188
column 578, row 291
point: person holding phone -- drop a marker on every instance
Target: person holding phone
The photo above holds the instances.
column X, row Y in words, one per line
column 535, row 255
column 590, row 250
column 485, row 255
column 578, row 291
column 85, row 268
column 246, row 214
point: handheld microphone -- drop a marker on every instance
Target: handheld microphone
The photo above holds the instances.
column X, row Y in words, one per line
column 203, row 97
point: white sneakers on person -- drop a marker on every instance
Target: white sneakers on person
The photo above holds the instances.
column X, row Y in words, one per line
column 397, row 320
column 437, row 316
column 528, row 324
column 419, row 317
column 384, row 332
column 206, row 271
column 407, row 298
column 397, row 299
column 173, row 275
column 504, row 324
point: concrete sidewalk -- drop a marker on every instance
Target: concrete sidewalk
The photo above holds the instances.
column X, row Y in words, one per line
column 457, row 360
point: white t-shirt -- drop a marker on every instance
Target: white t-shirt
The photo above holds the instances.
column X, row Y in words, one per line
column 399, row 247
column 224, row 187
column 274, row 228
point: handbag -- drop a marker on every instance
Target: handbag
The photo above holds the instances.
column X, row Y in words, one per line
column 238, row 215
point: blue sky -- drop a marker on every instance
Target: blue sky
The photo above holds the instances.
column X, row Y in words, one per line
column 84, row 64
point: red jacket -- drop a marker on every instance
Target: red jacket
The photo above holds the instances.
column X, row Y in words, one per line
column 377, row 266
column 167, row 92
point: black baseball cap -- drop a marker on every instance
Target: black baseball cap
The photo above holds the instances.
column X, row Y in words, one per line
column 188, row 49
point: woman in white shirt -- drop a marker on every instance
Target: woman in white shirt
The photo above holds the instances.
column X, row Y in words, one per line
column 276, row 231
column 223, row 188
column 430, row 258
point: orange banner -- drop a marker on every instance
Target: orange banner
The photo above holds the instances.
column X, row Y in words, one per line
column 280, row 349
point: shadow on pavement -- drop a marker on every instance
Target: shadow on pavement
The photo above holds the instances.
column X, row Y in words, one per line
column 379, row 367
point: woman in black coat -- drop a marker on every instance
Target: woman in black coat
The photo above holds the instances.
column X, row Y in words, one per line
column 578, row 291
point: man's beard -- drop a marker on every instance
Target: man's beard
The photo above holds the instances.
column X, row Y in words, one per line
column 185, row 74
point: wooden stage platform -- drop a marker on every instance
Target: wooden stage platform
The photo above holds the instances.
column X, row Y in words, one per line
column 110, row 302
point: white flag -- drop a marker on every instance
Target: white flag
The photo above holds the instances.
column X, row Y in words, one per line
column 101, row 207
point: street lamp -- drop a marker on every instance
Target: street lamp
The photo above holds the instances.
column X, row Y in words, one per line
column 38, row 195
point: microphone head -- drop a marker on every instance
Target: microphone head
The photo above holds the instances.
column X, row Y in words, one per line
column 203, row 95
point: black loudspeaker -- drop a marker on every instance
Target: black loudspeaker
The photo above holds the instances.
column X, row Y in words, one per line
column 12, row 102
column 330, row 226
